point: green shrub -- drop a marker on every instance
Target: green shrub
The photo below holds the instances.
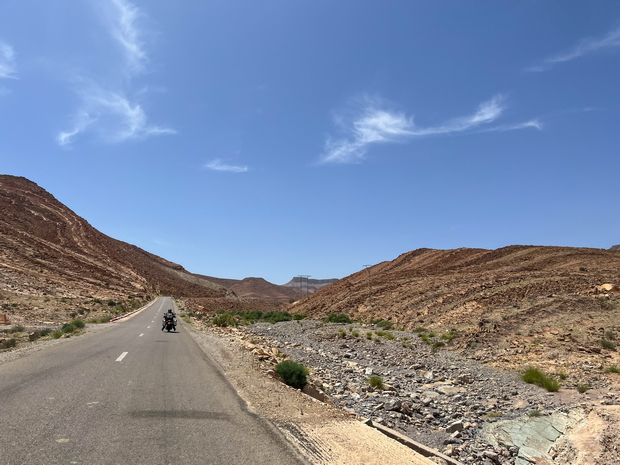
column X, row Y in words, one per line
column 294, row 374
column 583, row 388
column 8, row 343
column 383, row 324
column 449, row 336
column 68, row 328
column 533, row 375
column 369, row 335
column 16, row 329
column 612, row 369
column 299, row 316
column 608, row 344
column 376, row 382
column 78, row 323
column 57, row 334
column 337, row 318
column 535, row 414
column 276, row 317
column 342, row 333
column 563, row 375
column 111, row 303
column 610, row 335
column 224, row 320
column 45, row 332
column 438, row 344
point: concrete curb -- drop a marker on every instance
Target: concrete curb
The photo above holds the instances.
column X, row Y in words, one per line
column 410, row 443
column 132, row 313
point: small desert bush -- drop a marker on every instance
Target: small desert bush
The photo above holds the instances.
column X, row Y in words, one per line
column 16, row 329
column 299, row 316
column 376, row 382
column 68, row 328
column 8, row 343
column 294, row 374
column 224, row 320
column 383, row 324
column 612, row 369
column 583, row 388
column 45, row 332
column 610, row 335
column 57, row 334
column 438, row 344
column 369, row 335
column 535, row 414
column 342, row 333
column 563, row 375
column 533, row 375
column 78, row 323
column 338, row 318
column 355, row 333
column 608, row 344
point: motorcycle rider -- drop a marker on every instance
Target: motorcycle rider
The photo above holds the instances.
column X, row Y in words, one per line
column 169, row 314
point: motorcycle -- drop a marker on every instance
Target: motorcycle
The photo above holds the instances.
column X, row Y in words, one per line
column 169, row 324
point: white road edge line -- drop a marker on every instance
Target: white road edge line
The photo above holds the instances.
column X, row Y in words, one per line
column 122, row 356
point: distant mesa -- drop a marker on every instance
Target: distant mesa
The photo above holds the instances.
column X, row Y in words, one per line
column 615, row 247
column 307, row 285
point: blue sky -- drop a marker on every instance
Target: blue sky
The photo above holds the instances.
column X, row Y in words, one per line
column 280, row 138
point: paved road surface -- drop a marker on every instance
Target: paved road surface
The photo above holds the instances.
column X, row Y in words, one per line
column 162, row 402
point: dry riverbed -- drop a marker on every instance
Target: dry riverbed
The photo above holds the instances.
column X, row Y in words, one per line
column 465, row 410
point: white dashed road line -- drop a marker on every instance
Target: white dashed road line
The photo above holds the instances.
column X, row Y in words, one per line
column 141, row 335
column 122, row 356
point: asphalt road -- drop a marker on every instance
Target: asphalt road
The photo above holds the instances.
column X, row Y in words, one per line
column 162, row 402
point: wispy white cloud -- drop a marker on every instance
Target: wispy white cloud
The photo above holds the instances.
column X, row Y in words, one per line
column 124, row 30
column 375, row 124
column 7, row 61
column 584, row 47
column 111, row 114
column 219, row 165
column 114, row 112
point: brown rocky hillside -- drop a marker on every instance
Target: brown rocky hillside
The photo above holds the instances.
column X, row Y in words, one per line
column 511, row 306
column 46, row 249
column 256, row 288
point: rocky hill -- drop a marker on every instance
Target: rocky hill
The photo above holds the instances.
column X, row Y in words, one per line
column 305, row 286
column 257, row 289
column 511, row 306
column 46, row 249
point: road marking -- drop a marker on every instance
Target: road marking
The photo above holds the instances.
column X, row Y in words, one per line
column 141, row 335
column 147, row 327
column 122, row 356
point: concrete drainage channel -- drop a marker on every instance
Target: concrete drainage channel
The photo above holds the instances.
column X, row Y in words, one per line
column 411, row 444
